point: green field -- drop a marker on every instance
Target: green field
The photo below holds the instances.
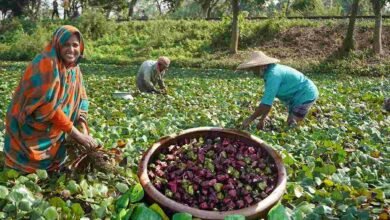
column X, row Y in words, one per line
column 338, row 162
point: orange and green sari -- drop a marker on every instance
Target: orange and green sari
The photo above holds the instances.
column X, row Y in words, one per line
column 32, row 141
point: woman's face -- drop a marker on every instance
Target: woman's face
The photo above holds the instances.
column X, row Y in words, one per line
column 161, row 67
column 258, row 70
column 70, row 51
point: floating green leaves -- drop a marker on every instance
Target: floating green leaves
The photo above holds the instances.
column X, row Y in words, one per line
column 51, row 213
column 234, row 217
column 137, row 193
column 3, row 192
column 278, row 212
column 142, row 212
column 182, row 216
column 337, row 160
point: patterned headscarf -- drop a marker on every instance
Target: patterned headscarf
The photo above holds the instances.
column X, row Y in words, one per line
column 31, row 141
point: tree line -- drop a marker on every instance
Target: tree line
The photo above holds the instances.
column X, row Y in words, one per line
column 34, row 9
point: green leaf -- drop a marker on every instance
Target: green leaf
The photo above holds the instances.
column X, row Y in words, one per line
column 100, row 211
column 77, row 209
column 33, row 186
column 348, row 216
column 298, row 191
column 61, row 181
column 33, row 177
column 12, row 174
column 121, row 187
column 155, row 207
column 129, row 212
column 342, row 207
column 122, row 202
column 380, row 194
column 9, row 208
column 278, row 212
column 50, row 213
column 328, row 169
column 318, row 181
column 3, row 192
column 25, row 205
column 234, row 217
column 361, row 199
column 182, row 216
column 314, row 216
column 22, row 179
column 328, row 182
column 72, row 186
column 142, row 212
column 57, row 202
column 42, row 174
column 363, row 215
column 122, row 214
column 137, row 193
column 15, row 196
column 305, row 208
column 323, row 210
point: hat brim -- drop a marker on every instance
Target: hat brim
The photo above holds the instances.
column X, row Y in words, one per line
column 250, row 64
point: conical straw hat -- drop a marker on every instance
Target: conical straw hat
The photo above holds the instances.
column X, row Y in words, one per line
column 257, row 58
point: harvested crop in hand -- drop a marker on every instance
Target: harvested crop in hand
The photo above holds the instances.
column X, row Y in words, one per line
column 220, row 174
column 83, row 159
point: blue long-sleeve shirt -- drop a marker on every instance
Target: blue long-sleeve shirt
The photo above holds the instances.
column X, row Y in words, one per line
column 288, row 85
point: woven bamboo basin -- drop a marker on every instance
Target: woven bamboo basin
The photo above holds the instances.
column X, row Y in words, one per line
column 255, row 211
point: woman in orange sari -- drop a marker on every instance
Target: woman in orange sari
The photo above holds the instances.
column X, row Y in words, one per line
column 48, row 104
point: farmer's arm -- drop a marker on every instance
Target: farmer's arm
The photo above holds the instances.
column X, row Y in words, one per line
column 160, row 80
column 271, row 89
column 261, row 110
column 62, row 122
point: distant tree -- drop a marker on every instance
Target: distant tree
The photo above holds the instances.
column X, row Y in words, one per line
column 207, row 6
column 173, row 4
column 32, row 9
column 253, row 6
column 328, row 3
column 159, row 6
column 272, row 8
column 346, row 5
column 83, row 4
column 349, row 42
column 235, row 29
column 288, row 7
column 109, row 6
column 17, row 7
column 377, row 6
column 308, row 6
column 132, row 4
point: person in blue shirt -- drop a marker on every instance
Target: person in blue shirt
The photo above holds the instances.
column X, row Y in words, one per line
column 289, row 85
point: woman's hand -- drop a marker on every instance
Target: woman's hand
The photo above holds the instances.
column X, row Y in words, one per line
column 84, row 127
column 83, row 139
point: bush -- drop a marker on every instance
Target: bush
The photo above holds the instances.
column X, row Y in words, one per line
column 191, row 43
column 24, row 46
column 93, row 24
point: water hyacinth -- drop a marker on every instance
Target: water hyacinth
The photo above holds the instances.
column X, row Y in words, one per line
column 218, row 174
